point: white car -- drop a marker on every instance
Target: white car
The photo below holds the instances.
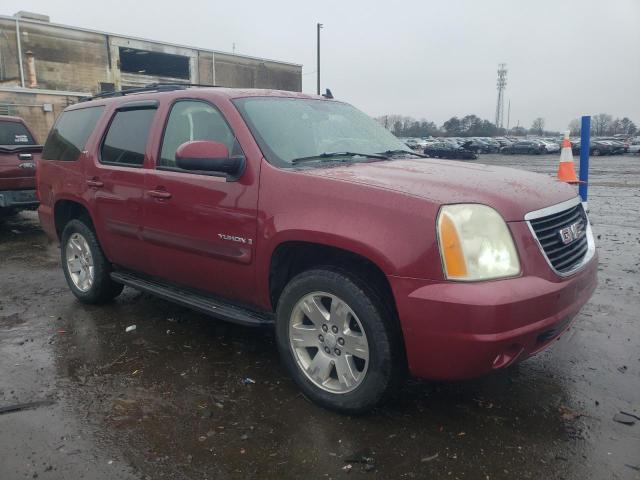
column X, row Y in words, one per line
column 634, row 146
column 550, row 147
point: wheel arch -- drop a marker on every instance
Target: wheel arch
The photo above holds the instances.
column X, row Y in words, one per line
column 66, row 209
column 292, row 257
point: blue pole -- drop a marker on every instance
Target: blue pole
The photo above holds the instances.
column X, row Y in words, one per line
column 585, row 141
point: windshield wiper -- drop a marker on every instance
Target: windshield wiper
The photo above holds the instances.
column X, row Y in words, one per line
column 399, row 152
column 332, row 155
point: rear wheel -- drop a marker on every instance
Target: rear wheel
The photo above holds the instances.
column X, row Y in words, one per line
column 596, row 152
column 85, row 267
column 337, row 340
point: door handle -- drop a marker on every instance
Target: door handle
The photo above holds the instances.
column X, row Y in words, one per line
column 95, row 183
column 160, row 194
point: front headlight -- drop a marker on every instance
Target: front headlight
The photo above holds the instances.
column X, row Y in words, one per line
column 475, row 243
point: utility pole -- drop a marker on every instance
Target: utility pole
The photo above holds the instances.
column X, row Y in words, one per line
column 508, row 114
column 501, row 84
column 319, row 26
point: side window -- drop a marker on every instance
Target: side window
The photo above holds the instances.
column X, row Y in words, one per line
column 126, row 139
column 70, row 134
column 194, row 120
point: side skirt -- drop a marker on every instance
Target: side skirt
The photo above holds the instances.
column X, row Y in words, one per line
column 201, row 302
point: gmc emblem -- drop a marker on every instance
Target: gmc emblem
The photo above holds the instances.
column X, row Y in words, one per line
column 572, row 233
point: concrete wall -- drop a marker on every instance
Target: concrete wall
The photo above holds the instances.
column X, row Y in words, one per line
column 65, row 59
column 73, row 60
column 31, row 107
column 78, row 60
column 234, row 71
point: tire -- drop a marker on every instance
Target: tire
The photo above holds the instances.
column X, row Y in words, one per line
column 379, row 376
column 7, row 212
column 100, row 289
column 596, row 152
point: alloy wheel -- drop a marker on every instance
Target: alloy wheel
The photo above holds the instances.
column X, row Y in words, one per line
column 328, row 342
column 79, row 262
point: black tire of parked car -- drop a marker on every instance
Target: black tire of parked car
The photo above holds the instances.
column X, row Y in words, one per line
column 7, row 212
column 104, row 288
column 385, row 371
column 596, row 152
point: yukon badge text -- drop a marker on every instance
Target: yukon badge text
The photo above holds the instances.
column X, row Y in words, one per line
column 233, row 238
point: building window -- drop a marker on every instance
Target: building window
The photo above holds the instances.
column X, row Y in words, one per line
column 145, row 62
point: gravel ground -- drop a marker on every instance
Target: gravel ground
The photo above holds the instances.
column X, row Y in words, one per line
column 168, row 399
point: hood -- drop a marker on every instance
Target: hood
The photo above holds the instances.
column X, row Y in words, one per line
column 511, row 192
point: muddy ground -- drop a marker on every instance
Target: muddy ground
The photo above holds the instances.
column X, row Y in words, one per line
column 171, row 399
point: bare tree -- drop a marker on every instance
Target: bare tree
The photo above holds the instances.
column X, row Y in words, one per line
column 601, row 123
column 575, row 126
column 628, row 126
column 615, row 126
column 537, row 126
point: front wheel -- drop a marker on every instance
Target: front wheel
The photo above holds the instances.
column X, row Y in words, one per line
column 338, row 341
column 85, row 267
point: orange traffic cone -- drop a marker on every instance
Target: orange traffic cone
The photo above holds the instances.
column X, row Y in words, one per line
column 566, row 173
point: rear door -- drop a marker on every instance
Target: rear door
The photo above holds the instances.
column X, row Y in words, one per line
column 115, row 182
column 200, row 228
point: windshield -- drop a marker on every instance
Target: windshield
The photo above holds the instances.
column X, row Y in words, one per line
column 293, row 128
column 14, row 133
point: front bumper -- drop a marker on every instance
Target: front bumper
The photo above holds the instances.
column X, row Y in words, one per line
column 456, row 330
column 18, row 199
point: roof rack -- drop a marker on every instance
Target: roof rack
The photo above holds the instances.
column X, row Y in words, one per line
column 151, row 87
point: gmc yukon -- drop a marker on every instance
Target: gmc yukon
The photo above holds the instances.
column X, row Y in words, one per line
column 18, row 155
column 276, row 208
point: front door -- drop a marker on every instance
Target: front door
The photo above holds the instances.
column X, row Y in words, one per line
column 200, row 229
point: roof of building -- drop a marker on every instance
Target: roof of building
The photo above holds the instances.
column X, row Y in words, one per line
column 69, row 27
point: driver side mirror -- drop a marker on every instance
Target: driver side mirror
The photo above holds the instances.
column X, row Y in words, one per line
column 208, row 156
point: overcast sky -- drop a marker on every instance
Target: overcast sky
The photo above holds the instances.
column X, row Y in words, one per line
column 431, row 59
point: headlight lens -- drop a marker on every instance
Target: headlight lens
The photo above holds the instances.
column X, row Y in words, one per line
column 475, row 243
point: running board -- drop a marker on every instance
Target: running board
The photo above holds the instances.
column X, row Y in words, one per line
column 197, row 301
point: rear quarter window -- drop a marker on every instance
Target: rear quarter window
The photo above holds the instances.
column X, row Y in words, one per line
column 14, row 133
column 70, row 134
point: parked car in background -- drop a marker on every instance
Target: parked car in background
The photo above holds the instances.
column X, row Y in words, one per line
column 549, row 146
column 618, row 147
column 447, row 150
column 19, row 152
column 415, row 143
column 596, row 148
column 271, row 208
column 528, row 147
column 410, row 142
column 634, row 146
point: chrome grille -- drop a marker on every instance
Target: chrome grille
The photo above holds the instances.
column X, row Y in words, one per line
column 568, row 254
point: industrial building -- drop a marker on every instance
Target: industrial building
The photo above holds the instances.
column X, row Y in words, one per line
column 45, row 67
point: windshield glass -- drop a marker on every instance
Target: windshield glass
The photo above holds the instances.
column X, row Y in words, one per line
column 291, row 128
column 14, row 133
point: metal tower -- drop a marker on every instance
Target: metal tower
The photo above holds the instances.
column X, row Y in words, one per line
column 501, row 84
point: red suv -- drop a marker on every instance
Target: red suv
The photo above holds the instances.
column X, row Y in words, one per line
column 18, row 154
column 268, row 207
